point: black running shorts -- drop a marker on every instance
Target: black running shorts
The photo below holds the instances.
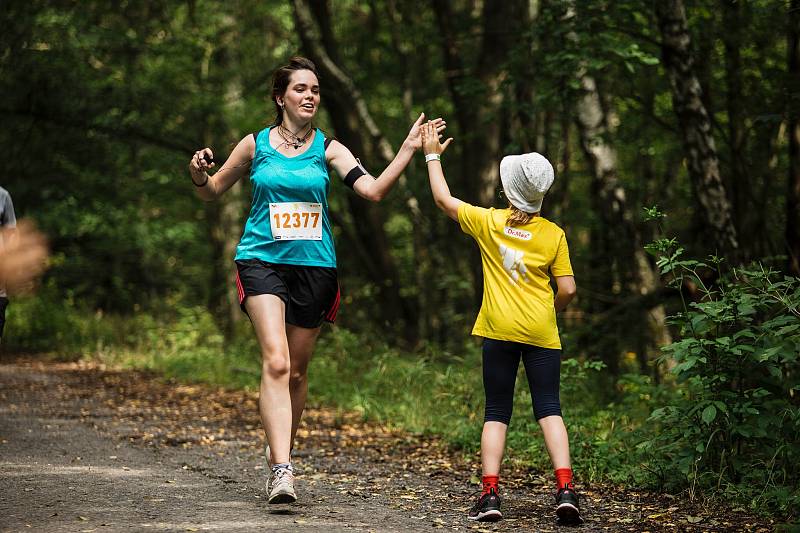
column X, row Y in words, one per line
column 311, row 294
column 500, row 364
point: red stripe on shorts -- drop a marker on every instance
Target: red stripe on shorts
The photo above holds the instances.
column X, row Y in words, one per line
column 239, row 289
column 331, row 316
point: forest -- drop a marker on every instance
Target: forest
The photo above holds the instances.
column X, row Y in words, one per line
column 674, row 130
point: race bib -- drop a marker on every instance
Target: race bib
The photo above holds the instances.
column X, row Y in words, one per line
column 296, row 221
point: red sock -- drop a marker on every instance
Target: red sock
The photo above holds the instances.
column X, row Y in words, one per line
column 563, row 477
column 490, row 482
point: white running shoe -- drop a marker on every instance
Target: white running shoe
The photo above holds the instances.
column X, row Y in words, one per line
column 282, row 490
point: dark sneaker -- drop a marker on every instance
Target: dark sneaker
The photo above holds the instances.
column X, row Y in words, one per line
column 567, row 508
column 487, row 509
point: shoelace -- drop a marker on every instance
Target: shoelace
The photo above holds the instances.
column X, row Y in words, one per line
column 280, row 473
column 479, row 494
column 566, row 488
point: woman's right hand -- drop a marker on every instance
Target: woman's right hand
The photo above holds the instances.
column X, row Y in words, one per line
column 199, row 165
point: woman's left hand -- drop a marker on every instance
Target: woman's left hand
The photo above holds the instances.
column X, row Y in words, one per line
column 414, row 138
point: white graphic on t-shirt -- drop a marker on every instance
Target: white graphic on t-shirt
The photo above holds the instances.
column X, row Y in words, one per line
column 513, row 264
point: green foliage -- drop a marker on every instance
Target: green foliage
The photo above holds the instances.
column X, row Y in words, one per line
column 58, row 325
column 180, row 342
column 733, row 426
column 103, row 105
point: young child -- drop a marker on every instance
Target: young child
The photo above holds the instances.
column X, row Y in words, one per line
column 520, row 250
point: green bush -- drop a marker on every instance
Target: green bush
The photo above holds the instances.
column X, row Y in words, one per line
column 52, row 323
column 733, row 428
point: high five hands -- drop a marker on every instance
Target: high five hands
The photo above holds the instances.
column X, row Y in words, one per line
column 414, row 139
column 431, row 139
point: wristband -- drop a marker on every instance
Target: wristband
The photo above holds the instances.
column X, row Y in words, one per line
column 432, row 157
column 200, row 184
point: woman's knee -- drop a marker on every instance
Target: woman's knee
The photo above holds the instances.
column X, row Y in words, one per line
column 275, row 363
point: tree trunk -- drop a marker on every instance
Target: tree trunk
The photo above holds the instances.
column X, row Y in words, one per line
column 356, row 129
column 793, row 190
column 217, row 278
column 631, row 271
column 480, row 117
column 224, row 216
column 466, row 118
column 619, row 265
column 732, row 37
column 693, row 119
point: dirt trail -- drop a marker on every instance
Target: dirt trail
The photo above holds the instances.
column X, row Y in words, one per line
column 86, row 449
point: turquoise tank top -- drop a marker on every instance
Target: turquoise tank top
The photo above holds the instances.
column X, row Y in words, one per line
column 279, row 183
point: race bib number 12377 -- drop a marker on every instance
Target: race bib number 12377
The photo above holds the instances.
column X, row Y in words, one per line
column 296, row 221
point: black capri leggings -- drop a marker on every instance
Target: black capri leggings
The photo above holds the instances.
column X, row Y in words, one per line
column 500, row 363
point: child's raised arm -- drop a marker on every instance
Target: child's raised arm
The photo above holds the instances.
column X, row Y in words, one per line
column 433, row 149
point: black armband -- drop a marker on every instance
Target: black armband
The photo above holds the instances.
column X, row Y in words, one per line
column 355, row 173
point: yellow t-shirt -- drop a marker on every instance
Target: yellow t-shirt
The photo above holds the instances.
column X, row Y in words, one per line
column 517, row 262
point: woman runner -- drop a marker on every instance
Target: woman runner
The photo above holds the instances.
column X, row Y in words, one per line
column 287, row 279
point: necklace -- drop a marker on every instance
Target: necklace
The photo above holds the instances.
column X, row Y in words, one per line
column 293, row 139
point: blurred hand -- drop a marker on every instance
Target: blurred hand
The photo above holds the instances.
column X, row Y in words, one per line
column 23, row 257
column 414, row 138
column 430, row 139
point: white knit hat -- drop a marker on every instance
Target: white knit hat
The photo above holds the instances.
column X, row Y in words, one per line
column 526, row 178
